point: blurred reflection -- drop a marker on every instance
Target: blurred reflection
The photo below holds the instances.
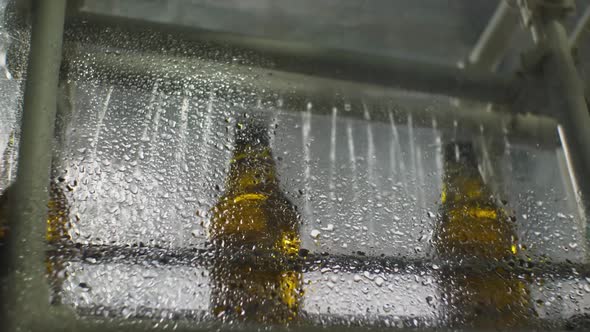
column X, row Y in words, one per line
column 58, row 213
column 3, row 215
column 475, row 231
column 254, row 230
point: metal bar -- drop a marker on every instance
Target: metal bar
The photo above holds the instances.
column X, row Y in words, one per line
column 90, row 258
column 138, row 54
column 566, row 92
column 26, row 302
column 582, row 28
column 86, row 62
column 495, row 39
column 190, row 257
column 407, row 74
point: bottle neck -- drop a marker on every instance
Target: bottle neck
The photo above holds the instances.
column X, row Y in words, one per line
column 462, row 179
column 252, row 169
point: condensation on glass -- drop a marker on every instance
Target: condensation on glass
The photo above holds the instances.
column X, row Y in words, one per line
column 142, row 168
column 141, row 161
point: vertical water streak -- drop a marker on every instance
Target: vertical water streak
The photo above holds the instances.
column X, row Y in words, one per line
column 420, row 184
column 205, row 146
column 332, row 185
column 155, row 127
column 396, row 157
column 438, row 155
column 352, row 160
column 412, row 144
column 372, row 183
column 205, row 151
column 101, row 116
column 454, row 140
column 305, row 129
column 573, row 180
column 370, row 147
column 150, row 108
column 487, row 167
column 392, row 148
column 182, row 135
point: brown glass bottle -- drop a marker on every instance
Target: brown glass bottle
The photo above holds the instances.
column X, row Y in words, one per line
column 57, row 214
column 476, row 236
column 254, row 230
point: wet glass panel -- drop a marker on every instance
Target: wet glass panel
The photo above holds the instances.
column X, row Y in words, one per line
column 196, row 183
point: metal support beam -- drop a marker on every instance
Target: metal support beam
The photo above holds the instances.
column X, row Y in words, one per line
column 566, row 92
column 582, row 28
column 301, row 58
column 26, row 298
column 85, row 62
column 495, row 39
column 298, row 73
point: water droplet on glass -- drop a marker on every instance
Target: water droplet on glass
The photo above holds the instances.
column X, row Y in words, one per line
column 329, row 228
column 379, row 281
column 315, row 233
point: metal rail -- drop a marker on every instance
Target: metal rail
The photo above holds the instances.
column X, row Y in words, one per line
column 495, row 39
column 300, row 58
column 312, row 261
column 565, row 90
column 203, row 260
column 296, row 90
column 26, row 304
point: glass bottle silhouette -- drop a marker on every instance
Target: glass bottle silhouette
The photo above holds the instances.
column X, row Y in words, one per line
column 474, row 235
column 254, row 232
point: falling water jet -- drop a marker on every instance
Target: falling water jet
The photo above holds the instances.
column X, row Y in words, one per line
column 333, row 155
column 420, row 185
column 180, row 155
column 412, row 143
column 370, row 159
column 155, row 127
column 352, row 160
column 438, row 155
column 396, row 150
column 305, row 128
column 100, row 123
column 205, row 144
column 148, row 118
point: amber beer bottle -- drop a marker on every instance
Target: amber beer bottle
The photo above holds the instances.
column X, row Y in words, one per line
column 254, row 232
column 57, row 214
column 57, row 204
column 56, row 230
column 476, row 235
